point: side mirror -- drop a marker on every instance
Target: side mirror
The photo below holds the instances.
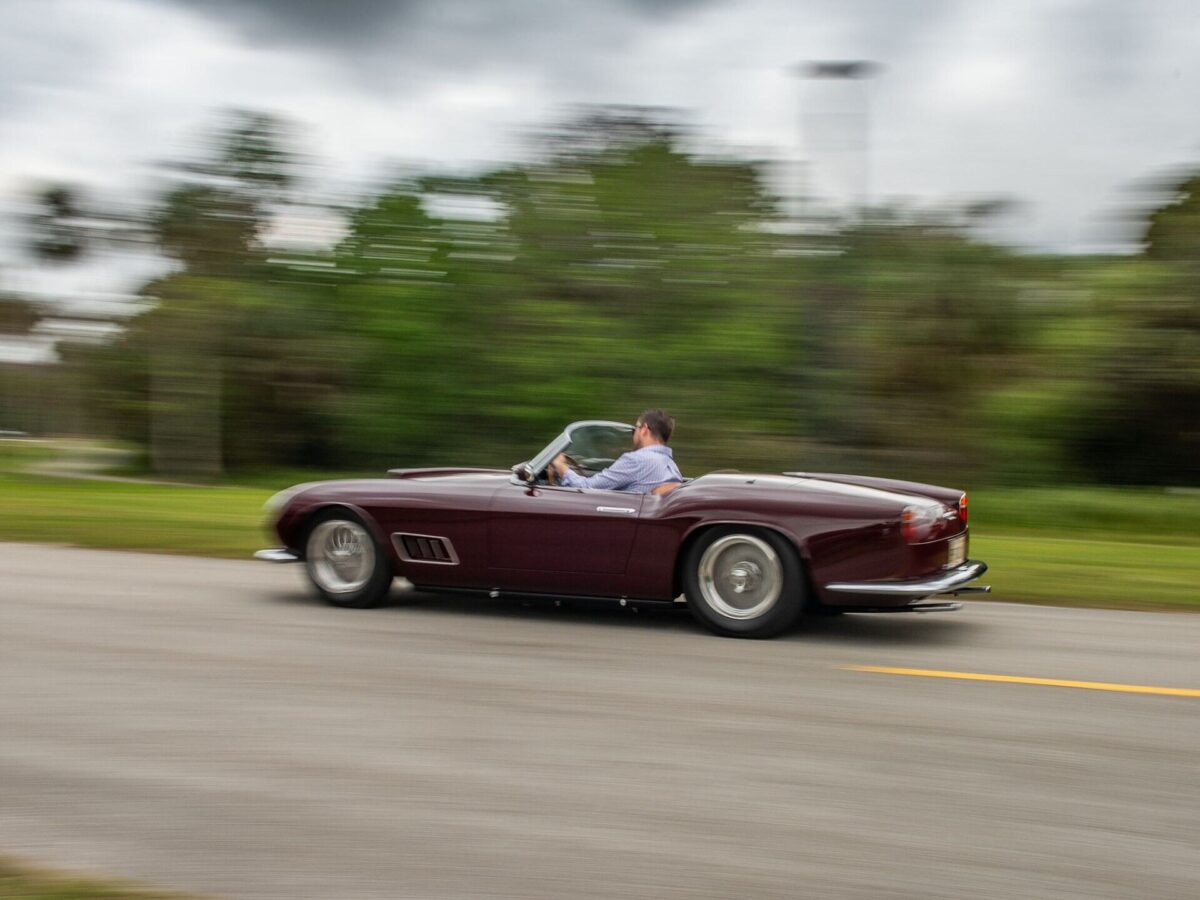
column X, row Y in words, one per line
column 522, row 472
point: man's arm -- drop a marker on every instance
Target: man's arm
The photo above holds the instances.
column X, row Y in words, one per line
column 620, row 475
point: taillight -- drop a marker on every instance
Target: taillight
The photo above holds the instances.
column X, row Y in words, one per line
column 922, row 522
column 962, row 509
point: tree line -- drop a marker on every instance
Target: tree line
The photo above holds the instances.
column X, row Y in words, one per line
column 611, row 271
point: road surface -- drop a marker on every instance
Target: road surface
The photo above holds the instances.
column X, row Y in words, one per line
column 207, row 726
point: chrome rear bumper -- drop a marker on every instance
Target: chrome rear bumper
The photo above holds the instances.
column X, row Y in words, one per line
column 951, row 581
column 277, row 556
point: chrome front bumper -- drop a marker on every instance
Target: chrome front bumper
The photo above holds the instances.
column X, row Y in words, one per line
column 277, row 556
column 950, row 581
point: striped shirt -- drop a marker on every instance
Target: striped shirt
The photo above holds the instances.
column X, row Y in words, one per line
column 638, row 471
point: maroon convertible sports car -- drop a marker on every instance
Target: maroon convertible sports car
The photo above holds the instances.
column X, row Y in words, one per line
column 750, row 553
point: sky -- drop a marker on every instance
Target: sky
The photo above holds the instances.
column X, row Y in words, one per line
column 1064, row 106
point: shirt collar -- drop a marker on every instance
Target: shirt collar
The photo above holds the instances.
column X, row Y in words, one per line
column 659, row 448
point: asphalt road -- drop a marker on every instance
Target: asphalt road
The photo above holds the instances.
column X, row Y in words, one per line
column 206, row 726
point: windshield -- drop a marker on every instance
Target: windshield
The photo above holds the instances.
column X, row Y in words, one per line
column 595, row 444
column 597, row 447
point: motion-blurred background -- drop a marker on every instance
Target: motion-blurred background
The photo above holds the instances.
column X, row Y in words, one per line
column 243, row 241
column 250, row 243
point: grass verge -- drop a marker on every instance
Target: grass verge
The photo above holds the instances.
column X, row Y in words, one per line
column 1043, row 568
column 18, row 882
column 203, row 521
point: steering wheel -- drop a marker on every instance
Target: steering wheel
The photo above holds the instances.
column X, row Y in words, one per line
column 552, row 476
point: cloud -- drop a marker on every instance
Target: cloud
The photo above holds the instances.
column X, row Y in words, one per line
column 354, row 26
column 1055, row 102
column 345, row 24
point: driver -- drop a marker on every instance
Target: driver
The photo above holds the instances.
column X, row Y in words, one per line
column 648, row 465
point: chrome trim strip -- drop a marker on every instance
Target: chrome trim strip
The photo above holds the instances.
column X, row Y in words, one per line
column 276, row 556
column 944, row 583
column 399, row 545
column 628, row 510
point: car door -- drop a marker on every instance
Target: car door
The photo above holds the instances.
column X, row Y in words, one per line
column 555, row 539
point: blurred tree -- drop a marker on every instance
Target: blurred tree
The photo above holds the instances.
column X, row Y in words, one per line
column 417, row 382
column 646, row 277
column 920, row 323
column 209, row 230
column 66, row 225
column 17, row 316
column 1141, row 421
column 617, row 270
column 213, row 219
column 1173, row 231
column 286, row 361
column 211, row 222
column 18, row 410
column 57, row 227
column 164, row 379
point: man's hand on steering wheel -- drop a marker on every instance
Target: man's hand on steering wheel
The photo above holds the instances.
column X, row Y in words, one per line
column 560, row 464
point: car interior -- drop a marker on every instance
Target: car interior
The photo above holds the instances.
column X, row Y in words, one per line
column 594, row 448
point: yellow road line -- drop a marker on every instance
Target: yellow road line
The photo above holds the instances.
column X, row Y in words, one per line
column 1017, row 679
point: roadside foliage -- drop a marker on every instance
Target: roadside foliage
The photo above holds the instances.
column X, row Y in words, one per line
column 464, row 319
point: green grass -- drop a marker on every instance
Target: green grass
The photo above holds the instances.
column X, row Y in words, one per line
column 1125, row 515
column 19, row 882
column 1042, row 568
column 17, row 454
column 1086, row 546
column 1126, row 548
column 205, row 521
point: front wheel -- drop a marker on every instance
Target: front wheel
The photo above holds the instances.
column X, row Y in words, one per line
column 744, row 582
column 345, row 565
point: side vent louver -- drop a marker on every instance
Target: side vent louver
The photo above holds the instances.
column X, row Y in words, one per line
column 425, row 548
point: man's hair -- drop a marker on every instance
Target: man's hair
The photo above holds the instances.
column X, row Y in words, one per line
column 659, row 422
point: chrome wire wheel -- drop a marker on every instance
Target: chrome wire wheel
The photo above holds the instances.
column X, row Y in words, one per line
column 341, row 556
column 740, row 576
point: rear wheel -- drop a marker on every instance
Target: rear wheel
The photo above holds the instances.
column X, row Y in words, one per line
column 345, row 564
column 744, row 582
